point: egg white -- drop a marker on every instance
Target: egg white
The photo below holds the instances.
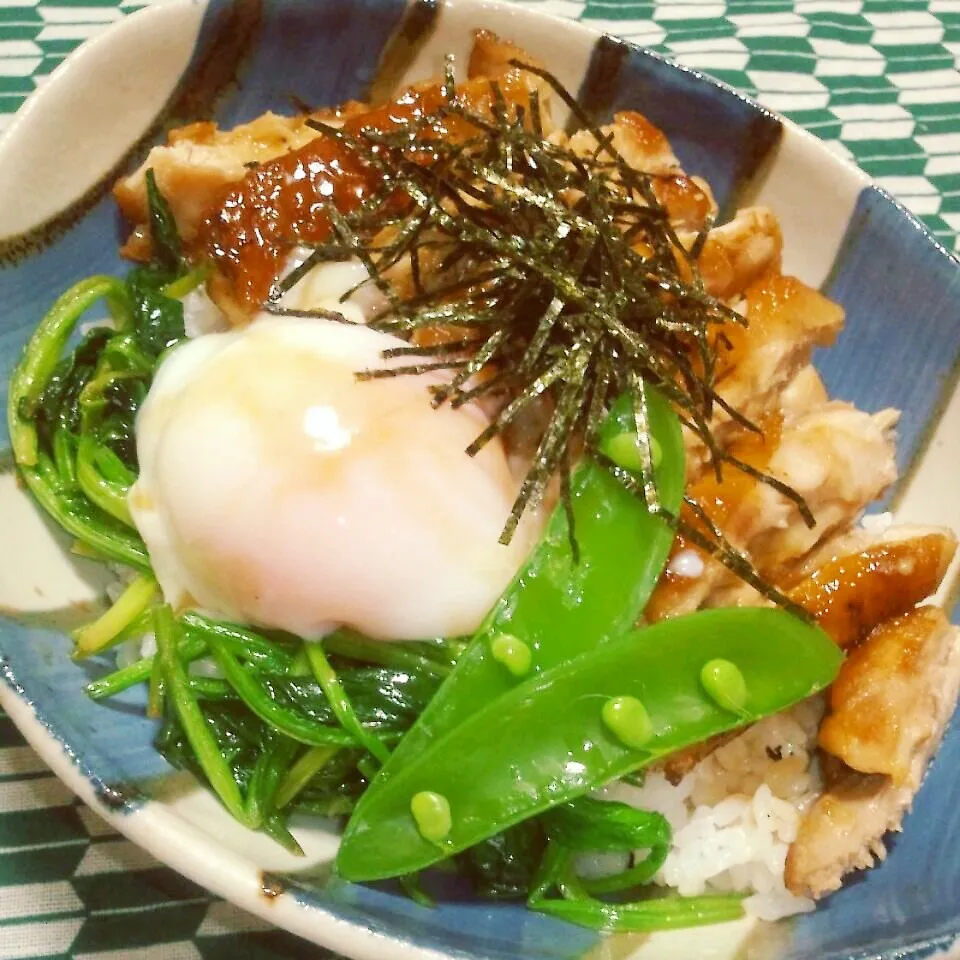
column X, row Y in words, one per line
column 344, row 287
column 277, row 490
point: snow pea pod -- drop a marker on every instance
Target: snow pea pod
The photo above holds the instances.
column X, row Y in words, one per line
column 557, row 607
column 547, row 741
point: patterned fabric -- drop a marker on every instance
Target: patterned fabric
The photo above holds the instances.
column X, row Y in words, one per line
column 876, row 79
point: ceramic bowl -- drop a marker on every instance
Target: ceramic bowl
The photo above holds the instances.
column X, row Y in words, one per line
column 231, row 61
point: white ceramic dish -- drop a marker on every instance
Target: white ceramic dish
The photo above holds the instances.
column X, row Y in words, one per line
column 840, row 233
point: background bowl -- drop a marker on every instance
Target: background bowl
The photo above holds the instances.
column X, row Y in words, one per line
column 233, row 60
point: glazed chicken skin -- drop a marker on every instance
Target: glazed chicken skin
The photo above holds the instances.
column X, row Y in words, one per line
column 236, row 203
column 880, row 705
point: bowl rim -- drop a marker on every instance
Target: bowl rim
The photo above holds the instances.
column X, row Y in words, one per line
column 158, row 829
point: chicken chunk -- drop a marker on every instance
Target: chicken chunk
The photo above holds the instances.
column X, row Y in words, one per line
column 786, row 319
column 740, row 252
column 849, row 595
column 491, row 58
column 764, row 366
column 854, row 580
column 843, row 832
column 882, row 704
column 197, row 163
column 645, row 148
column 241, row 198
column 836, row 457
column 914, row 667
column 839, row 459
column 803, row 393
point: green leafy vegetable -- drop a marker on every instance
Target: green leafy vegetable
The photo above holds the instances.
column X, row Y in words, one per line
column 164, row 237
column 189, row 648
column 71, row 420
column 158, row 318
column 49, row 470
column 129, row 606
column 598, row 826
column 383, row 700
column 639, row 916
column 340, row 703
column 297, row 777
column 504, row 866
column 199, row 736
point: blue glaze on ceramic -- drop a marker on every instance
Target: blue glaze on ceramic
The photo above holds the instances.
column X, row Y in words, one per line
column 111, row 743
column 901, row 343
column 885, row 260
column 28, row 289
column 715, row 132
column 468, row 930
column 355, row 34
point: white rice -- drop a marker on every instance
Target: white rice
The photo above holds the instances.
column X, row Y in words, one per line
column 201, row 315
column 688, row 564
column 205, row 667
column 876, row 524
column 326, row 285
column 736, row 813
column 136, row 649
column 105, row 323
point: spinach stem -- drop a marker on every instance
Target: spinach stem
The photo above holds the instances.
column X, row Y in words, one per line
column 102, row 533
column 645, row 916
column 179, row 288
column 340, row 703
column 309, row 764
column 191, row 717
column 636, row 876
column 242, row 643
column 253, row 695
column 130, row 605
column 637, row 916
column 398, row 656
column 274, row 759
column 41, row 356
column 189, row 648
column 63, row 456
column 109, row 496
column 275, row 827
column 210, row 688
column 156, row 689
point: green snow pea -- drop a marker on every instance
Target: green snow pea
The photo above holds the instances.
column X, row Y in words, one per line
column 545, row 741
column 557, row 607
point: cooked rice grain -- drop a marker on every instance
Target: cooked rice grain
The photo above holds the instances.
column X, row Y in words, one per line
column 736, row 813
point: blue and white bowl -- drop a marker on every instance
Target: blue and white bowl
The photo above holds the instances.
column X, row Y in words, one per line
column 185, row 60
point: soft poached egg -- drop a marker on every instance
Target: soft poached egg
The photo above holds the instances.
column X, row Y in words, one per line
column 277, row 490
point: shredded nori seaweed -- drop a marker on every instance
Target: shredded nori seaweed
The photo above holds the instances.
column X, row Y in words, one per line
column 562, row 273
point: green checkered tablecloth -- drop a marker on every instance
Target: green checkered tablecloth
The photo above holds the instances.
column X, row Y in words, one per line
column 876, row 79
